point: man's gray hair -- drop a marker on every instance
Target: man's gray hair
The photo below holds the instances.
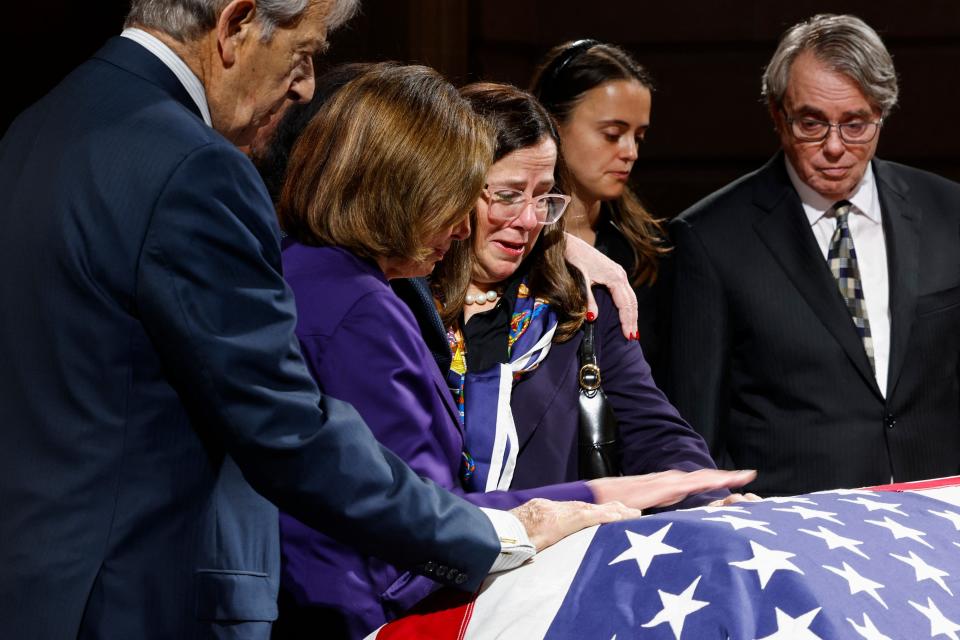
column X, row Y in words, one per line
column 186, row 20
column 847, row 45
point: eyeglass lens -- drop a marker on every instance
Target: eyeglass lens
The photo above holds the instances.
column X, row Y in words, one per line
column 812, row 130
column 511, row 204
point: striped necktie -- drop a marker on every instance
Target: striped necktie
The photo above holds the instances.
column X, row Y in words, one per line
column 843, row 263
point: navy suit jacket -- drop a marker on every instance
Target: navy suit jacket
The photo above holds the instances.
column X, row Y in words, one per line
column 152, row 387
column 766, row 362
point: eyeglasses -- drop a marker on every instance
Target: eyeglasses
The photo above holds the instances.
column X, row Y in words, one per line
column 506, row 205
column 813, row 130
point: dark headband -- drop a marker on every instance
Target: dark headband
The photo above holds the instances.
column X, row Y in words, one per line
column 569, row 54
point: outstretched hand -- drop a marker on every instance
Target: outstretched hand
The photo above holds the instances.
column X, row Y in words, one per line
column 620, row 498
column 599, row 269
column 666, row 487
column 547, row 521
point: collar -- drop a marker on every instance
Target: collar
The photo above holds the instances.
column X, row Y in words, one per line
column 864, row 199
column 177, row 66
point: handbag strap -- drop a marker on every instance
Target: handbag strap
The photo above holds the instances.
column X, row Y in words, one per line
column 589, row 376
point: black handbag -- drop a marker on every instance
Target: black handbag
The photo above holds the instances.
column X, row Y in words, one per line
column 599, row 438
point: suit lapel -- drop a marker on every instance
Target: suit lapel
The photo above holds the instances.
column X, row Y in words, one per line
column 537, row 392
column 901, row 233
column 446, row 397
column 415, row 292
column 786, row 232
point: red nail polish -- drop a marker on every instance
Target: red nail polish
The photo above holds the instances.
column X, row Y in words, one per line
column 591, row 316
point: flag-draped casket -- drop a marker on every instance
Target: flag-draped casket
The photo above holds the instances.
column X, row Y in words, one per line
column 833, row 565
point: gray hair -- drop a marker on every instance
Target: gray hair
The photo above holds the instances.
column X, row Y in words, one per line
column 847, row 45
column 186, row 20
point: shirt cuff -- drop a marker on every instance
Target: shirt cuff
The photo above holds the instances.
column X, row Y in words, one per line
column 515, row 545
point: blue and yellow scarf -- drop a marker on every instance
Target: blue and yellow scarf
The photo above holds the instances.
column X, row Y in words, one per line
column 483, row 397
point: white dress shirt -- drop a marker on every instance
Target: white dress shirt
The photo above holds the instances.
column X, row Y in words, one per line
column 866, row 230
column 515, row 545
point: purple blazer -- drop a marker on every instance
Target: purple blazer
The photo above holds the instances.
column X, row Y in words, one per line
column 363, row 345
column 654, row 436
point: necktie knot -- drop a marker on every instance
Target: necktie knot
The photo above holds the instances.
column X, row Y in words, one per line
column 841, row 211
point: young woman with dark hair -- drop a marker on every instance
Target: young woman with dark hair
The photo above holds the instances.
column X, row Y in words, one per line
column 601, row 99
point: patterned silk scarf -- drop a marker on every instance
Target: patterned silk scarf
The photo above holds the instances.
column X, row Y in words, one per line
column 483, row 398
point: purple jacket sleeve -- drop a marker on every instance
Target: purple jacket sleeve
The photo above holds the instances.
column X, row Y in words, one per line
column 655, row 437
column 376, row 360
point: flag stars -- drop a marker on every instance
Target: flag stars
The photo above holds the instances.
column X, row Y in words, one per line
column 868, row 631
column 836, row 541
column 790, row 499
column 798, row 628
column 727, row 509
column 939, row 623
column 925, row 571
column 900, row 531
column 766, row 562
column 676, row 608
column 858, row 583
column 874, row 505
column 743, row 523
column 952, row 516
column 847, row 492
column 808, row 514
column 644, row 549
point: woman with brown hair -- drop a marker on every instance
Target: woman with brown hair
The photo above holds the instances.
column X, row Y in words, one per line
column 515, row 311
column 378, row 186
column 601, row 99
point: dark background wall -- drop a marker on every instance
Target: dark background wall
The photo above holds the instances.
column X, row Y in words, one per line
column 709, row 125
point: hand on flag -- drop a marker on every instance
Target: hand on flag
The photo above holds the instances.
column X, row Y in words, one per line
column 620, row 498
column 666, row 487
column 548, row 522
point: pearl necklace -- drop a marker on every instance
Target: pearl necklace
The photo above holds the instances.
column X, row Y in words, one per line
column 481, row 298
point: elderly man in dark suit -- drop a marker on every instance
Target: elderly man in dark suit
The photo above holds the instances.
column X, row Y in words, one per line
column 152, row 388
column 816, row 301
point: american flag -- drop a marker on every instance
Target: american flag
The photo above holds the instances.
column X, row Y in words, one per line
column 831, row 565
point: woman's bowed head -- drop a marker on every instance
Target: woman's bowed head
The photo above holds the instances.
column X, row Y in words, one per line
column 361, row 184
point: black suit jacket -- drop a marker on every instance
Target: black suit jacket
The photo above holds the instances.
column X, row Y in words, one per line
column 152, row 389
column 765, row 361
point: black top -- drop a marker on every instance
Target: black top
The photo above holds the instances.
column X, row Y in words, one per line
column 612, row 243
column 487, row 333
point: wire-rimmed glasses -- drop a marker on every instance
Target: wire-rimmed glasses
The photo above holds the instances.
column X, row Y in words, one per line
column 807, row 129
column 508, row 204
